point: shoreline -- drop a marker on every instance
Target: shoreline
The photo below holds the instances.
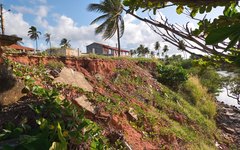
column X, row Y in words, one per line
column 228, row 120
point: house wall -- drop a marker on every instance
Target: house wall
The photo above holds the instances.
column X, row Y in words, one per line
column 95, row 47
column 62, row 52
column 71, row 52
column 98, row 48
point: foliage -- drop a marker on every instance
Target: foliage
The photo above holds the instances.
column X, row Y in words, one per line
column 221, row 32
column 205, row 71
column 198, row 95
column 172, row 76
column 165, row 50
column 157, row 47
column 58, row 65
column 207, row 74
column 142, row 50
column 65, row 43
column 48, row 39
column 112, row 19
column 60, row 124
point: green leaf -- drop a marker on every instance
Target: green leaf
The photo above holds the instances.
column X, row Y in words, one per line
column 202, row 10
column 58, row 146
column 233, row 41
column 194, row 12
column 220, row 34
column 209, row 9
column 60, row 135
column 179, row 9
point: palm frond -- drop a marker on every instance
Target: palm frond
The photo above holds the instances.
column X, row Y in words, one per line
column 121, row 27
column 101, row 27
column 110, row 29
column 96, row 8
column 100, row 18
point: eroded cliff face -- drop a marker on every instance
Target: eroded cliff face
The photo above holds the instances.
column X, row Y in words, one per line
column 125, row 99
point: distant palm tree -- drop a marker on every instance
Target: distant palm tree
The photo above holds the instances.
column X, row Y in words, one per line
column 182, row 47
column 142, row 50
column 157, row 47
column 112, row 19
column 152, row 54
column 48, row 39
column 165, row 50
column 33, row 33
column 65, row 43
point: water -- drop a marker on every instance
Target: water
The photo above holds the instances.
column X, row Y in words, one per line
column 222, row 97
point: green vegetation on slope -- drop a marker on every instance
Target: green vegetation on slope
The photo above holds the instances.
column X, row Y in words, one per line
column 185, row 115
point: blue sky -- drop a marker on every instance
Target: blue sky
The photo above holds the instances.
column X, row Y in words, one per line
column 71, row 20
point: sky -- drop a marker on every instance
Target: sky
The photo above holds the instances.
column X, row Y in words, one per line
column 70, row 19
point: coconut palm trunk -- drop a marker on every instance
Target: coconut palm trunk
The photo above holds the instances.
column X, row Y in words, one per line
column 118, row 38
column 36, row 46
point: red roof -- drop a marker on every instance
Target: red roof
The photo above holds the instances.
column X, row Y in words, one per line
column 19, row 47
column 113, row 48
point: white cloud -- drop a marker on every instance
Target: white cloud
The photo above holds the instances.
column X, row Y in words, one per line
column 17, row 26
column 41, row 14
column 22, row 9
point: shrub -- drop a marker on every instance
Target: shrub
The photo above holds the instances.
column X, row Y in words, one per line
column 208, row 77
column 171, row 76
column 58, row 65
column 197, row 95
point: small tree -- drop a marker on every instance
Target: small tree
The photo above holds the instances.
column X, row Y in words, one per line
column 65, row 43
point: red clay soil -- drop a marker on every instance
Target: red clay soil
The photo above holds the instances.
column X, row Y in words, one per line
column 132, row 136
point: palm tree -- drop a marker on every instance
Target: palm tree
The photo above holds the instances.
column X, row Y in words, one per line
column 65, row 43
column 112, row 19
column 165, row 49
column 142, row 50
column 157, row 47
column 152, row 54
column 48, row 39
column 33, row 33
column 182, row 47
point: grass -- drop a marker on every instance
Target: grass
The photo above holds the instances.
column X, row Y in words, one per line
column 198, row 96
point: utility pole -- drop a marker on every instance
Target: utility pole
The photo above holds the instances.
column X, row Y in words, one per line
column 1, row 16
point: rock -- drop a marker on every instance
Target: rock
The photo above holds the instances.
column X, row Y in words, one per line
column 85, row 104
column 132, row 115
column 74, row 78
column 10, row 88
column 229, row 113
column 12, row 95
column 228, row 130
column 99, row 77
column 228, row 119
column 54, row 73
